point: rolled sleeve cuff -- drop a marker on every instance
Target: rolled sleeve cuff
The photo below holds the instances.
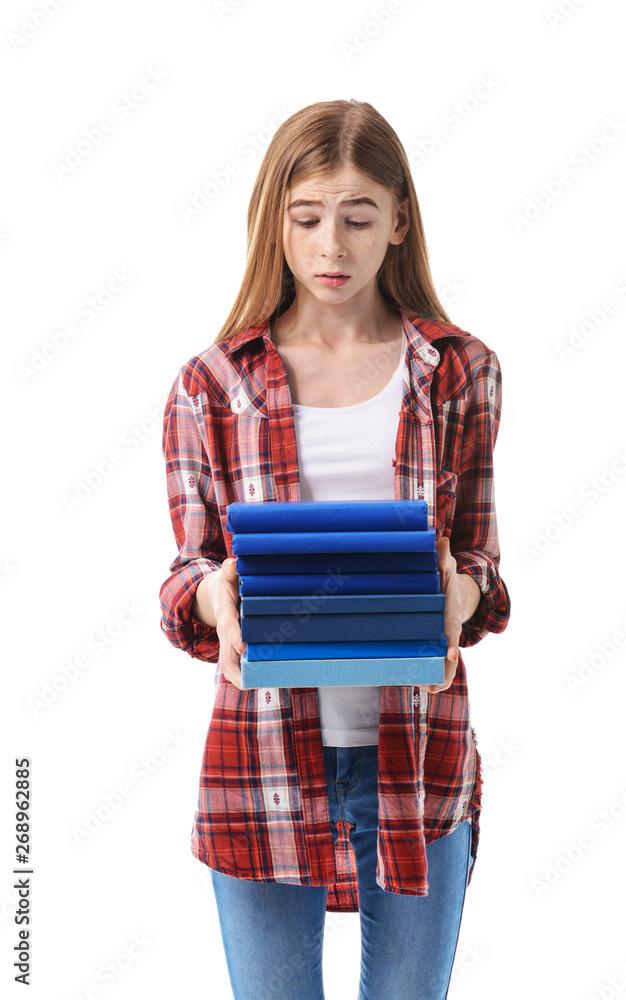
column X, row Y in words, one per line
column 177, row 622
column 200, row 641
column 494, row 607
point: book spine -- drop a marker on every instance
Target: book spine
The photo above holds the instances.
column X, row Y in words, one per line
column 345, row 650
column 334, row 673
column 344, row 583
column 343, row 628
column 338, row 541
column 332, row 562
column 339, row 604
column 304, row 515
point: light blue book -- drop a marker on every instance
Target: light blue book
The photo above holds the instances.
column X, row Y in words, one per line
column 333, row 673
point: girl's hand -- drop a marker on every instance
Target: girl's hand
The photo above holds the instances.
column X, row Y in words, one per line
column 222, row 589
column 462, row 596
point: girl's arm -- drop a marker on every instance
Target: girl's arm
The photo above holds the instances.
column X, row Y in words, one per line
column 195, row 521
column 474, row 532
column 470, row 595
column 462, row 597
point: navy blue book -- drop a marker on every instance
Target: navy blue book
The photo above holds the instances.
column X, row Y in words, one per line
column 339, row 583
column 344, row 650
column 347, row 562
column 327, row 515
column 333, row 604
column 342, row 628
column 334, row 541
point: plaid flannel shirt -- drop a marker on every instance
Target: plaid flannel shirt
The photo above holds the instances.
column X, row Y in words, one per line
column 229, row 435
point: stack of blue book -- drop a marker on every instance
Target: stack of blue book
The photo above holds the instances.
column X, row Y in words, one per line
column 338, row 593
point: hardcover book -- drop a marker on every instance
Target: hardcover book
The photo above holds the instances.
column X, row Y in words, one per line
column 333, row 562
column 343, row 628
column 337, row 604
column 334, row 541
column 345, row 650
column 329, row 515
column 269, row 584
column 332, row 673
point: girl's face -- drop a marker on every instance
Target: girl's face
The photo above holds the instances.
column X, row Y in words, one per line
column 346, row 230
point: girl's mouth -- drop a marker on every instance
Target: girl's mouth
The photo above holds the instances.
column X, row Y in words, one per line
column 333, row 280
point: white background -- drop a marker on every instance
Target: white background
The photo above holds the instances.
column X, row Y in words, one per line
column 541, row 918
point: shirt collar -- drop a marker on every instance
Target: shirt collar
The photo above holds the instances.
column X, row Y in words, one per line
column 420, row 333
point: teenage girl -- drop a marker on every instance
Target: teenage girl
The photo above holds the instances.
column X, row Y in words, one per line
column 337, row 376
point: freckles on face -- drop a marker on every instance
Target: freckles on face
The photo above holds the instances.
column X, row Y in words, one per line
column 368, row 241
column 344, row 220
column 307, row 247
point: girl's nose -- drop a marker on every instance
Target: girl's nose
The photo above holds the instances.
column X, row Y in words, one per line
column 331, row 239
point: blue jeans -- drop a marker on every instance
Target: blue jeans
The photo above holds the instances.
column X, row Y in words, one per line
column 273, row 932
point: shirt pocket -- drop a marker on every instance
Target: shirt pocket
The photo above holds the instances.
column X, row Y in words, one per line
column 445, row 502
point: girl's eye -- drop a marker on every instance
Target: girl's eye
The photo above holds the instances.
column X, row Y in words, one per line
column 311, row 222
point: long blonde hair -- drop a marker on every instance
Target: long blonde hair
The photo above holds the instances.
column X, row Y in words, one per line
column 322, row 138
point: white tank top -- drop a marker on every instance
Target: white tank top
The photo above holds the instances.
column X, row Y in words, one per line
column 346, row 453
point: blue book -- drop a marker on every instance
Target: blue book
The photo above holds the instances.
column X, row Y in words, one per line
column 346, row 562
column 334, row 673
column 345, row 650
column 339, row 583
column 334, row 541
column 333, row 604
column 342, row 628
column 328, row 515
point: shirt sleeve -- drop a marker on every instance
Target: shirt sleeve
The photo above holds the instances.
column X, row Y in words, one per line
column 195, row 521
column 474, row 537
